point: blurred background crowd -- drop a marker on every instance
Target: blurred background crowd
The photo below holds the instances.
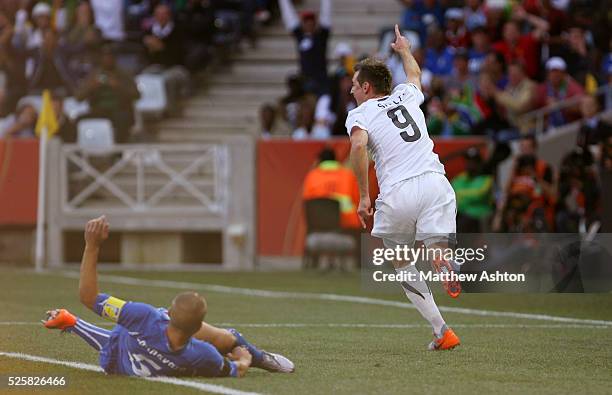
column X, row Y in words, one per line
column 488, row 66
column 89, row 51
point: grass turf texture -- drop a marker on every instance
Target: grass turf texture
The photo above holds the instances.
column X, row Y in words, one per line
column 331, row 359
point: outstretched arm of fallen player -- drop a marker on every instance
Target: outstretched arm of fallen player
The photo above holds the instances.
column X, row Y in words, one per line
column 359, row 162
column 96, row 231
column 411, row 67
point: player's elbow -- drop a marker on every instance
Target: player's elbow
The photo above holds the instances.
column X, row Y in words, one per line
column 87, row 298
column 359, row 140
column 358, row 146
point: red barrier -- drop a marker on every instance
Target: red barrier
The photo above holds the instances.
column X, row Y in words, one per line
column 18, row 181
column 282, row 166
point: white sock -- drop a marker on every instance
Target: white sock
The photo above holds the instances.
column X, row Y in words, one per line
column 421, row 297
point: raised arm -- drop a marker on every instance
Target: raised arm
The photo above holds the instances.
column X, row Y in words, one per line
column 96, row 231
column 325, row 16
column 359, row 162
column 411, row 67
column 540, row 25
column 290, row 17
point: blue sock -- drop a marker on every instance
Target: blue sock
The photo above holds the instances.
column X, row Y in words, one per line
column 255, row 352
column 94, row 336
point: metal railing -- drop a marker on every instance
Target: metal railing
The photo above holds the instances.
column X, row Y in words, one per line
column 541, row 114
column 151, row 179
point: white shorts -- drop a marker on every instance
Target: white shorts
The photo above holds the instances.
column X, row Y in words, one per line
column 420, row 208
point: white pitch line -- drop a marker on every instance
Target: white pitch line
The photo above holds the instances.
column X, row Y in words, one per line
column 382, row 326
column 329, row 297
column 216, row 389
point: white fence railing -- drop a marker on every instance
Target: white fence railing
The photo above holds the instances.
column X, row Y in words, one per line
column 539, row 116
column 145, row 179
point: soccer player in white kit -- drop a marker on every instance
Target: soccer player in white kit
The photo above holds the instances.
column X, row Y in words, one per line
column 416, row 201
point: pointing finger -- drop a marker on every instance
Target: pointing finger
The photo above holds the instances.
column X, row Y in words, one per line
column 397, row 31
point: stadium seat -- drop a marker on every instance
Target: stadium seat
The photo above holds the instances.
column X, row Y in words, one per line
column 153, row 100
column 324, row 235
column 74, row 108
column 95, row 136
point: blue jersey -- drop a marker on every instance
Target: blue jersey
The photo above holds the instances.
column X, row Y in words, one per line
column 138, row 345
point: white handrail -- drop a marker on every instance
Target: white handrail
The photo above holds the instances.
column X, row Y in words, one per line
column 140, row 191
column 541, row 113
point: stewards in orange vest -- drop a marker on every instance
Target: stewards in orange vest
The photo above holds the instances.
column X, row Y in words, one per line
column 332, row 180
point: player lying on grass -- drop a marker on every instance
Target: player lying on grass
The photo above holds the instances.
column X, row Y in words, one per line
column 416, row 201
column 149, row 341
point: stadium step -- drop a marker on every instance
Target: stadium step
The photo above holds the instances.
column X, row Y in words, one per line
column 230, row 101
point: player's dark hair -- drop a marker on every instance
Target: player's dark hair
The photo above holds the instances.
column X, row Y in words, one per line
column 376, row 73
column 327, row 154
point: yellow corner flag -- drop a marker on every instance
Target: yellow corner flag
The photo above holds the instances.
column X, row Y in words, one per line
column 46, row 118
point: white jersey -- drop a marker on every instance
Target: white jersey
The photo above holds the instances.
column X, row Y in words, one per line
column 397, row 136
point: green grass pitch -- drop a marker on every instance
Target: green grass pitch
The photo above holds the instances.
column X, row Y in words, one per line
column 332, row 354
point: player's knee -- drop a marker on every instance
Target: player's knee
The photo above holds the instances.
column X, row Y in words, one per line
column 227, row 338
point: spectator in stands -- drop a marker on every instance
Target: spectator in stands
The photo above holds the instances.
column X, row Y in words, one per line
column 22, row 124
column 517, row 97
column 412, row 18
column 525, row 207
column 530, row 190
column 48, row 68
column 8, row 67
column 431, row 12
column 61, row 12
column 459, row 81
column 579, row 192
column 475, row 16
column 109, row 18
column 438, row 56
column 111, row 94
column 578, row 55
column 26, row 36
column 543, row 170
column 594, row 130
column 333, row 181
column 492, row 121
column 290, row 104
column 525, row 48
column 558, row 87
column 198, row 22
column 82, row 41
column 495, row 66
column 481, row 46
column 312, row 39
column 341, row 103
column 270, row 122
column 306, row 120
column 165, row 52
column 66, row 127
column 474, row 191
column 456, row 33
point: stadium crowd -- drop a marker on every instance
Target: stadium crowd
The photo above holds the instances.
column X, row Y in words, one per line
column 91, row 50
column 485, row 64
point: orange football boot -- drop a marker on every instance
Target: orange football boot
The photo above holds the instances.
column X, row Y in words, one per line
column 447, row 341
column 59, row 319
